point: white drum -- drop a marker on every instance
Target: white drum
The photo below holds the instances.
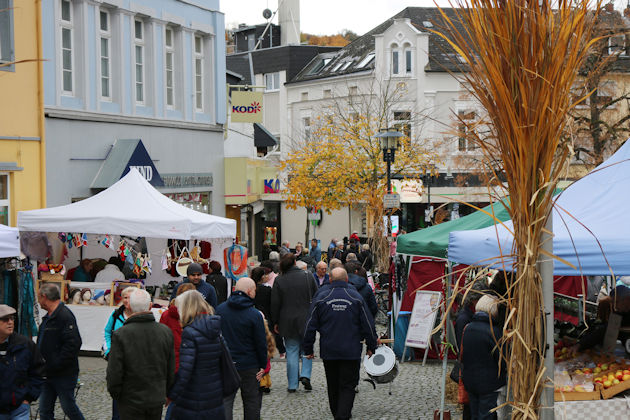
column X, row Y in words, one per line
column 382, row 367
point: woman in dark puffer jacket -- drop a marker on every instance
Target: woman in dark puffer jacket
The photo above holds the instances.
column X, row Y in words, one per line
column 198, row 389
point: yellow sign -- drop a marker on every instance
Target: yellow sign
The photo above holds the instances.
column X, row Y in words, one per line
column 247, row 107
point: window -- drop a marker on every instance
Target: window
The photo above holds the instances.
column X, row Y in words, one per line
column 272, row 81
column 4, row 199
column 407, row 61
column 465, row 142
column 198, row 73
column 306, row 125
column 353, row 90
column 402, row 122
column 346, row 65
column 169, row 66
column 327, row 93
column 395, row 62
column 6, row 34
column 367, row 60
column 251, row 42
column 139, row 49
column 105, row 33
column 320, row 65
column 337, row 66
column 617, row 45
column 66, row 47
column 304, row 96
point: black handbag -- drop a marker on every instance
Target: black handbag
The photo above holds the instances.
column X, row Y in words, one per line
column 229, row 374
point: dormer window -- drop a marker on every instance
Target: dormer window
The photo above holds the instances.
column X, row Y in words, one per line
column 367, row 60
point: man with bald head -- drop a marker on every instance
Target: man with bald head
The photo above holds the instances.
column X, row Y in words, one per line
column 343, row 320
column 243, row 328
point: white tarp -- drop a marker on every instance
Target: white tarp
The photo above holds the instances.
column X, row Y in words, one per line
column 591, row 226
column 131, row 207
column 9, row 242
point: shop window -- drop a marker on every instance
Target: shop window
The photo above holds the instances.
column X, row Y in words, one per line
column 6, row 34
column 4, row 199
column 196, row 201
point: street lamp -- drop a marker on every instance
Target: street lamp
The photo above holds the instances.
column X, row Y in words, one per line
column 389, row 143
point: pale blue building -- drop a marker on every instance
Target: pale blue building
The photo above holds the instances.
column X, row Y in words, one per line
column 119, row 71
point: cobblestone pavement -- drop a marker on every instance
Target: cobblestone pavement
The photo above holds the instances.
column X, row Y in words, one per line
column 415, row 394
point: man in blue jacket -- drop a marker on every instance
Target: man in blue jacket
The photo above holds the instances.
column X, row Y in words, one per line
column 343, row 320
column 21, row 369
column 193, row 275
column 59, row 342
column 243, row 328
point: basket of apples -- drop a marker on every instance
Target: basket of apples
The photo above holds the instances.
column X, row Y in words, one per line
column 614, row 383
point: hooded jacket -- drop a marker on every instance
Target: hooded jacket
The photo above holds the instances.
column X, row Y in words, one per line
column 244, row 331
column 341, row 316
column 22, row 373
column 198, row 389
column 481, row 372
column 365, row 291
column 204, row 288
column 141, row 367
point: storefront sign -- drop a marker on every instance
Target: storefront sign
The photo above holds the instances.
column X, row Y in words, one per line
column 410, row 190
column 247, row 107
column 272, row 186
column 188, row 180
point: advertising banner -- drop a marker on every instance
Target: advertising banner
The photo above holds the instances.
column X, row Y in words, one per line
column 247, row 107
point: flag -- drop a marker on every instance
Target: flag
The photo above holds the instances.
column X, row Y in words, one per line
column 84, row 239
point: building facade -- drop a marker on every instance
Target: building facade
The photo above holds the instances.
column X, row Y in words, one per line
column 22, row 145
column 135, row 83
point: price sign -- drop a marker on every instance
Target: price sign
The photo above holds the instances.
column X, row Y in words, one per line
column 391, row 201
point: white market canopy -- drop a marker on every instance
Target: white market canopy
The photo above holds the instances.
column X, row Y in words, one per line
column 591, row 226
column 9, row 242
column 130, row 207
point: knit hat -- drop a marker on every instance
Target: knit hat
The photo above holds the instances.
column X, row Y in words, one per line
column 194, row 268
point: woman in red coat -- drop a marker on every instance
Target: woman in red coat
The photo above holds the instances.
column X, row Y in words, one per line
column 170, row 318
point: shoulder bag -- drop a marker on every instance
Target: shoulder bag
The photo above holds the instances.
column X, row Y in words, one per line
column 229, row 374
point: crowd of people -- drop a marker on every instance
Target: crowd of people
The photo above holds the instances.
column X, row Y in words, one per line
column 180, row 362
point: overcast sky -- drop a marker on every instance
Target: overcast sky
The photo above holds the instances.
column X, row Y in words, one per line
column 323, row 17
column 328, row 17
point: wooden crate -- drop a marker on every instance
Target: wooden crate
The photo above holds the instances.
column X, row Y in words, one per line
column 615, row 389
column 577, row 396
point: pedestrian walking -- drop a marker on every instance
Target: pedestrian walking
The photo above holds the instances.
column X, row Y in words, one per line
column 362, row 286
column 141, row 366
column 321, row 274
column 342, row 318
column 263, row 291
column 244, row 332
column 315, row 252
column 365, row 257
column 115, row 321
column 221, row 284
column 284, row 249
column 21, row 369
column 59, row 343
column 291, row 297
column 198, row 389
column 193, row 275
column 331, row 249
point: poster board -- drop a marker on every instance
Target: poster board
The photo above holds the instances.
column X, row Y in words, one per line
column 425, row 308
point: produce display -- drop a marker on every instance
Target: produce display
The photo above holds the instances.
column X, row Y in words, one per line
column 588, row 375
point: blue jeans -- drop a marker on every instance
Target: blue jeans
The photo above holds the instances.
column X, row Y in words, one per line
column 62, row 387
column 23, row 412
column 481, row 404
column 294, row 354
column 169, row 410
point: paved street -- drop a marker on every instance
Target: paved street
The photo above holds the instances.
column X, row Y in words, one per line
column 415, row 394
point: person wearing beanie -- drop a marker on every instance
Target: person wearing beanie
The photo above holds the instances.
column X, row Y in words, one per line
column 193, row 275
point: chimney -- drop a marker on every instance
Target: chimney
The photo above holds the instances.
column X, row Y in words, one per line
column 289, row 20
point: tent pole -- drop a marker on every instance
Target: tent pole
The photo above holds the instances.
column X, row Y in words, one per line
column 545, row 265
column 447, row 324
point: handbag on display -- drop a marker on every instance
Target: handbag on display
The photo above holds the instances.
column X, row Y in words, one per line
column 229, row 375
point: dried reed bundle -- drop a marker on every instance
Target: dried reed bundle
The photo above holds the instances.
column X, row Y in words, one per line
column 523, row 57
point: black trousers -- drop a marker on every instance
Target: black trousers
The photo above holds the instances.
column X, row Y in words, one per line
column 250, row 393
column 130, row 412
column 342, row 377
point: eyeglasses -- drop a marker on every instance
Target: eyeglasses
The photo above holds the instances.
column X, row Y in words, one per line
column 8, row 318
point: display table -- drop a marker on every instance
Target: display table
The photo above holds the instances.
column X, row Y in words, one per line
column 91, row 320
column 615, row 408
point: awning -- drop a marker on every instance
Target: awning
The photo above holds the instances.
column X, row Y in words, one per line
column 262, row 137
column 124, row 154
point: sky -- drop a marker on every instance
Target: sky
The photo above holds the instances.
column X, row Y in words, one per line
column 329, row 17
column 323, row 17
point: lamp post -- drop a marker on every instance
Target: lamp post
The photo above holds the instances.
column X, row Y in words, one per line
column 389, row 143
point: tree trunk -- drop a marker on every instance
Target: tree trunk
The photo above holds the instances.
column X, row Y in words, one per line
column 308, row 228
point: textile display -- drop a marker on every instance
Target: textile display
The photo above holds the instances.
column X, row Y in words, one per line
column 423, row 274
column 235, row 262
column 27, row 325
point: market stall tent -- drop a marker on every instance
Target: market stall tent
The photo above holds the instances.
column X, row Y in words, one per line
column 9, row 242
column 131, row 207
column 433, row 241
column 590, row 225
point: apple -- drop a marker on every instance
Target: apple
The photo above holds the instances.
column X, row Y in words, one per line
column 616, row 381
column 567, row 388
column 597, row 370
column 604, row 367
column 599, row 365
column 578, row 372
column 607, row 384
column 625, row 377
column 611, row 377
column 619, row 376
column 587, row 371
column 626, row 372
column 579, row 388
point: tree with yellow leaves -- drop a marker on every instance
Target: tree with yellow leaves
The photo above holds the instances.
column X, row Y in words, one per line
column 341, row 163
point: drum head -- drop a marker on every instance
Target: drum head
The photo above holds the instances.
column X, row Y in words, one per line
column 182, row 266
column 382, row 361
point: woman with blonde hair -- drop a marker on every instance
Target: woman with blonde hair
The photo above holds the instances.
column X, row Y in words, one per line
column 198, row 389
